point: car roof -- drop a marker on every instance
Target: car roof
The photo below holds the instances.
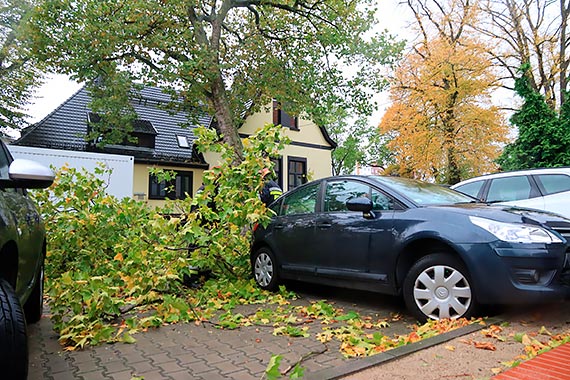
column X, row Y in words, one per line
column 560, row 170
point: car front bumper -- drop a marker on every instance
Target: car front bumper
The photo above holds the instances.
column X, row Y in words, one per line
column 518, row 274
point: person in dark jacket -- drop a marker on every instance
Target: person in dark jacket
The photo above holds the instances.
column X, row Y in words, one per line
column 270, row 192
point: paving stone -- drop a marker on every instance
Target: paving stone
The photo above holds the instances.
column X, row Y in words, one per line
column 180, row 375
column 132, row 357
column 211, row 375
column 123, row 375
column 82, row 357
column 161, row 358
column 212, row 358
column 188, row 359
column 172, row 366
column 244, row 375
column 115, row 366
column 200, row 367
column 64, row 376
column 141, row 367
column 88, row 366
column 227, row 367
column 93, row 375
column 152, row 375
column 60, row 364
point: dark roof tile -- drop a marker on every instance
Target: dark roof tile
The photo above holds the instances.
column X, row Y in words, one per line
column 66, row 127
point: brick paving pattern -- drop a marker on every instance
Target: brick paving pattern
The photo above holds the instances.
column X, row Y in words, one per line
column 551, row 365
column 189, row 351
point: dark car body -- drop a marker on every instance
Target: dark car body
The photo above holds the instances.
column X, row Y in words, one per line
column 22, row 253
column 367, row 232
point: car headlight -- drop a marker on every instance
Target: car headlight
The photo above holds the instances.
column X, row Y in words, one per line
column 516, row 233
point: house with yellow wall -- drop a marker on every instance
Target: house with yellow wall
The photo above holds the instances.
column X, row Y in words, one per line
column 166, row 140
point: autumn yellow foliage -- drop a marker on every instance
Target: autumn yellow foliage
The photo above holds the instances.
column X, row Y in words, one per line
column 442, row 124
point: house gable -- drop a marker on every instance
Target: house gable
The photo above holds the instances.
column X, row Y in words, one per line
column 308, row 154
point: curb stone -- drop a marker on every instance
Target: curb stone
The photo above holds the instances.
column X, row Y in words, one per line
column 396, row 353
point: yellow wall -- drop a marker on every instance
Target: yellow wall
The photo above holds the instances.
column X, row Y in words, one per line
column 319, row 162
column 140, row 178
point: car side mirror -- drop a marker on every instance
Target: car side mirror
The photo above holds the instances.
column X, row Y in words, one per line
column 362, row 204
column 28, row 174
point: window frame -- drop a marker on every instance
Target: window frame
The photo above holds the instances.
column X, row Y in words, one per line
column 542, row 188
column 293, row 184
column 394, row 205
column 531, row 193
column 178, row 192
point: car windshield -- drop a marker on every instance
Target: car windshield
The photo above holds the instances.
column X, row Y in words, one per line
column 423, row 193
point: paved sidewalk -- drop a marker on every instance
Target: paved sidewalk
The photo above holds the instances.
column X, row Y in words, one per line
column 189, row 351
column 553, row 364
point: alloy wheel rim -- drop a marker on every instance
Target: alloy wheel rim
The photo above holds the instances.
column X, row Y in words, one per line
column 442, row 292
column 263, row 269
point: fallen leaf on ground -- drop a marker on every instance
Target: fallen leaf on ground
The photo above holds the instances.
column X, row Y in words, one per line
column 485, row 346
column 450, row 348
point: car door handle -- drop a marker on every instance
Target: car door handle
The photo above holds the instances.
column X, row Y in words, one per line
column 324, row 225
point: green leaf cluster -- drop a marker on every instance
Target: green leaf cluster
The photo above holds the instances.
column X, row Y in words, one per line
column 543, row 134
column 19, row 74
column 227, row 58
column 114, row 266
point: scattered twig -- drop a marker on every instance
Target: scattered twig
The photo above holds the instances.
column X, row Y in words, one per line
column 304, row 358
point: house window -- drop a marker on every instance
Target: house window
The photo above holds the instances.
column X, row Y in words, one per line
column 175, row 189
column 182, row 141
column 297, row 171
column 282, row 118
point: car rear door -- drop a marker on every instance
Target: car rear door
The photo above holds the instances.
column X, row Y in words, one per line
column 292, row 231
column 555, row 188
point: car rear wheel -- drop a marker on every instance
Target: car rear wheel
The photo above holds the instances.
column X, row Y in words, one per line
column 34, row 306
column 13, row 339
column 264, row 268
column 438, row 286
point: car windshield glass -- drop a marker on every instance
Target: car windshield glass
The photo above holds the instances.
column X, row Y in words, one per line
column 424, row 193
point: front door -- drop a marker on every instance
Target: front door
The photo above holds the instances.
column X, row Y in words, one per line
column 349, row 242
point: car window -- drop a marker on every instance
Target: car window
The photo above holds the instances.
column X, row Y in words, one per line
column 554, row 183
column 339, row 192
column 423, row 193
column 471, row 188
column 509, row 189
column 301, row 201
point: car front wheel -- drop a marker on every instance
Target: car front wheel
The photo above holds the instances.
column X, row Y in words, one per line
column 13, row 338
column 264, row 268
column 437, row 287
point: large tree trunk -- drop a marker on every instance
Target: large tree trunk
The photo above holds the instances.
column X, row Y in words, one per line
column 225, row 121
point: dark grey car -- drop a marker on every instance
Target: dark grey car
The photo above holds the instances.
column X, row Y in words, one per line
column 444, row 252
column 22, row 253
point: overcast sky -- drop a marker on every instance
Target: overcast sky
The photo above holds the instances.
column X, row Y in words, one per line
column 58, row 88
